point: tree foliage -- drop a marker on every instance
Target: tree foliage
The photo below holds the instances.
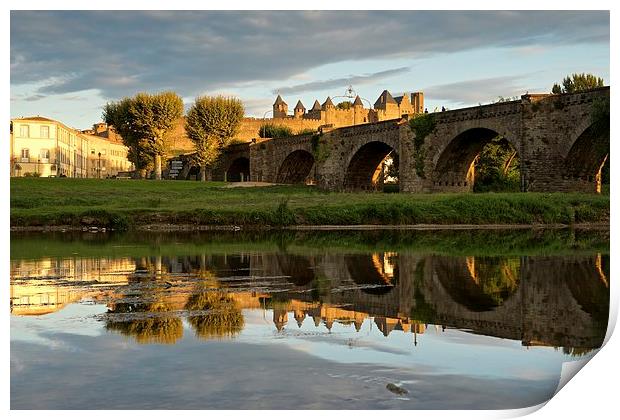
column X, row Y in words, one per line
column 392, row 164
column 274, row 131
column 577, row 83
column 143, row 122
column 497, row 167
column 345, row 105
column 211, row 125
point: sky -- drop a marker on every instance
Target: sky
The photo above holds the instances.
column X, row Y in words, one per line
column 67, row 64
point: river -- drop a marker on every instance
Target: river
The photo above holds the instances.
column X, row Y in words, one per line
column 302, row 320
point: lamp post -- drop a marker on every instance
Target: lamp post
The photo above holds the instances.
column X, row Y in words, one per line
column 350, row 94
column 99, row 166
column 265, row 115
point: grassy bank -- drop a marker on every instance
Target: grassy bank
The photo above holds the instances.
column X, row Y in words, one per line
column 124, row 204
column 531, row 242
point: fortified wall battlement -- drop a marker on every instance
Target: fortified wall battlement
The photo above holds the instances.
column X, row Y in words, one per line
column 327, row 114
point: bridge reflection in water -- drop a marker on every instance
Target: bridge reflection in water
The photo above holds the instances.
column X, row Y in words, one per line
column 538, row 300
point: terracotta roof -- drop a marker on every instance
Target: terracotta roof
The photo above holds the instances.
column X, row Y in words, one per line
column 37, row 118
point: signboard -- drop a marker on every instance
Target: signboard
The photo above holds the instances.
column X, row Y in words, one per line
column 175, row 167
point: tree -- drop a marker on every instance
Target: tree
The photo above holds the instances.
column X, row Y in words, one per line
column 497, row 167
column 344, row 105
column 274, row 131
column 143, row 122
column 117, row 115
column 577, row 83
column 211, row 124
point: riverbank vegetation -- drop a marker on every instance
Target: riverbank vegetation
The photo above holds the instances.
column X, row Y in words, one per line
column 464, row 242
column 126, row 204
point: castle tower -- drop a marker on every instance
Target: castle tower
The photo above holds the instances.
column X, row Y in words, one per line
column 316, row 106
column 358, row 110
column 387, row 106
column 328, row 104
column 280, row 108
column 417, row 101
column 404, row 104
column 299, row 110
column 330, row 109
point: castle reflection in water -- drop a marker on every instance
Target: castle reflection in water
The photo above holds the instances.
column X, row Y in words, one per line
column 538, row 300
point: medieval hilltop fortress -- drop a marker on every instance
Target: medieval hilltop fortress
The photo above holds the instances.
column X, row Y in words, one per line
column 386, row 107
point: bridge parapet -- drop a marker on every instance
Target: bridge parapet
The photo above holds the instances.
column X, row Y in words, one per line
column 478, row 112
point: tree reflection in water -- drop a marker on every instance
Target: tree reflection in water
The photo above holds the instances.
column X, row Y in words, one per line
column 482, row 283
column 498, row 278
column 221, row 317
column 147, row 322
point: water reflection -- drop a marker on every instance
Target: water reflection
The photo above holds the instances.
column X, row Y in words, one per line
column 222, row 316
column 560, row 302
column 480, row 283
column 474, row 320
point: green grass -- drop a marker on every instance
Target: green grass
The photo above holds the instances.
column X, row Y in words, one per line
column 124, row 204
column 515, row 242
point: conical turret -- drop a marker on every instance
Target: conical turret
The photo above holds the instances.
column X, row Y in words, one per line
column 316, row 106
column 328, row 103
column 280, row 108
column 299, row 110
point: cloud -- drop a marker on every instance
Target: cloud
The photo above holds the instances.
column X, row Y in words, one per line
column 33, row 98
column 478, row 91
column 122, row 52
column 332, row 83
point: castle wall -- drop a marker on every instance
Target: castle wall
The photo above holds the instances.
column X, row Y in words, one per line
column 250, row 126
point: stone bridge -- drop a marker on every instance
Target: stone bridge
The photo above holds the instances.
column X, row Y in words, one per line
column 562, row 302
column 553, row 136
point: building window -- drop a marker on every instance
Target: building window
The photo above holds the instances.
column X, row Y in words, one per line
column 45, row 155
column 24, row 131
column 45, row 132
column 25, row 155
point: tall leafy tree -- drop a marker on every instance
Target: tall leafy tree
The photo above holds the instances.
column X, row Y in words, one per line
column 143, row 122
column 211, row 124
column 577, row 83
column 117, row 115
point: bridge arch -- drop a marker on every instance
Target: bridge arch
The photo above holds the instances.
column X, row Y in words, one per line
column 479, row 284
column 296, row 168
column 297, row 268
column 379, row 270
column 239, row 170
column 454, row 169
column 586, row 158
column 365, row 167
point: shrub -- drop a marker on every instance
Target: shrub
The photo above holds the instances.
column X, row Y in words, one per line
column 274, row 131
